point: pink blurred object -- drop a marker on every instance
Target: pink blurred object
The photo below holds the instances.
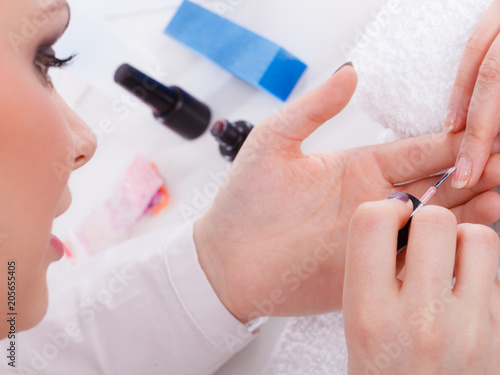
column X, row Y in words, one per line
column 111, row 223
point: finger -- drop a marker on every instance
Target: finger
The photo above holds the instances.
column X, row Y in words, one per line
column 483, row 122
column 483, row 209
column 289, row 127
column 450, row 197
column 430, row 255
column 413, row 158
column 478, row 253
column 475, row 52
column 372, row 247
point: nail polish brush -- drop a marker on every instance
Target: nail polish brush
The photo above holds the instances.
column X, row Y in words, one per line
column 417, row 204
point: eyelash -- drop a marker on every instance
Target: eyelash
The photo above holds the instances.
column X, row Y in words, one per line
column 45, row 61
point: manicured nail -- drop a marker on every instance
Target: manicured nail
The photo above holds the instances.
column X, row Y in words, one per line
column 344, row 65
column 463, row 173
column 400, row 196
column 451, row 121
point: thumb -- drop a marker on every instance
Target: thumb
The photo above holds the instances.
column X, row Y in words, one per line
column 287, row 129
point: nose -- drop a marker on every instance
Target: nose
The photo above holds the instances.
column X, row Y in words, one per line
column 84, row 138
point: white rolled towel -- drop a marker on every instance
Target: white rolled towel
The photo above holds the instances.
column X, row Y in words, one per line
column 407, row 61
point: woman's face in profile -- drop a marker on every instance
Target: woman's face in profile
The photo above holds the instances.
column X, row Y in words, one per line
column 41, row 142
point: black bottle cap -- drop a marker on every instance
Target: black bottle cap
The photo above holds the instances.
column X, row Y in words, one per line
column 231, row 136
column 404, row 233
column 171, row 106
column 227, row 134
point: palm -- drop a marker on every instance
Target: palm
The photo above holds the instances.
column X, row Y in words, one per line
column 300, row 206
column 281, row 223
column 303, row 208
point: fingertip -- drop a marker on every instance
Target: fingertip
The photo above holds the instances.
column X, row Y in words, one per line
column 347, row 64
column 463, row 174
column 346, row 76
column 450, row 121
column 454, row 121
column 299, row 119
column 404, row 198
column 376, row 218
column 458, row 128
column 470, row 168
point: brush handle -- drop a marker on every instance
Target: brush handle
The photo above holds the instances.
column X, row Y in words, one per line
column 404, row 233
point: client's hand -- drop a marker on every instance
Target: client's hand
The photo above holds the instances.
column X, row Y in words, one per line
column 475, row 99
column 273, row 243
column 421, row 324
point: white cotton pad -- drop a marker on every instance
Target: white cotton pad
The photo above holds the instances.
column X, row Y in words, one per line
column 408, row 58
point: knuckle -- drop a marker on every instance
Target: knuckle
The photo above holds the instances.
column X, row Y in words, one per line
column 430, row 342
column 369, row 215
column 435, row 216
column 463, row 85
column 476, row 43
column 474, row 348
column 315, row 118
column 475, row 341
column 363, row 325
column 489, row 72
column 478, row 132
column 481, row 235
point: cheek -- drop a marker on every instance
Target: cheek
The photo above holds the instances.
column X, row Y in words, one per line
column 35, row 143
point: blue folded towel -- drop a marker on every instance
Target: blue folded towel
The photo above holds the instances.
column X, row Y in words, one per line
column 256, row 60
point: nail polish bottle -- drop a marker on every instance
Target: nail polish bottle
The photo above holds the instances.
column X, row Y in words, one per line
column 231, row 136
column 172, row 106
column 182, row 113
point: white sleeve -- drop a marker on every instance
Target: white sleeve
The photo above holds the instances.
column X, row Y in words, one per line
column 145, row 307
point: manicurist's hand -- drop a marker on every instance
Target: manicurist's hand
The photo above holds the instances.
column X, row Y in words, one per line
column 274, row 241
column 421, row 323
column 475, row 99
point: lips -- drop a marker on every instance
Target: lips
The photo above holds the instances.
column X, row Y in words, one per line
column 64, row 204
column 58, row 246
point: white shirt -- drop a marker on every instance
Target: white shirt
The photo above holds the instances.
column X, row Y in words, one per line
column 144, row 307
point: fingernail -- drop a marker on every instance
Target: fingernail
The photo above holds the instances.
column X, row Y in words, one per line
column 463, row 173
column 400, row 196
column 451, row 121
column 344, row 65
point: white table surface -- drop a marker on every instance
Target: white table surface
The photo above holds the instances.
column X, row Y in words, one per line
column 314, row 30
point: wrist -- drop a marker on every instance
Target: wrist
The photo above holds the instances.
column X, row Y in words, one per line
column 213, row 261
